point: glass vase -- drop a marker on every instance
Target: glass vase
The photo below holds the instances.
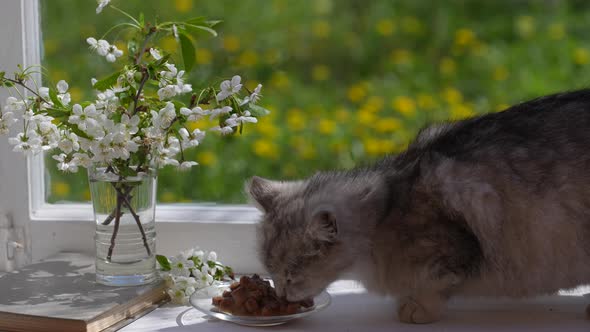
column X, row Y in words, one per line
column 125, row 239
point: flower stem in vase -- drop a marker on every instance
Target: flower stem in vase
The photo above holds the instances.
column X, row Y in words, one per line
column 136, row 217
column 116, row 228
column 113, row 214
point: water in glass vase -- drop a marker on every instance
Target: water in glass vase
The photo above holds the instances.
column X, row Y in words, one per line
column 124, row 211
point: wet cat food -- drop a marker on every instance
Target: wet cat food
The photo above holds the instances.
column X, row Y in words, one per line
column 253, row 296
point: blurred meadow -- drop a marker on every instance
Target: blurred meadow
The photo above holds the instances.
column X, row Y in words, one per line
column 347, row 81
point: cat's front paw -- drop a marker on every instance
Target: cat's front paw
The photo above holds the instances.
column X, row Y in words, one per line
column 413, row 312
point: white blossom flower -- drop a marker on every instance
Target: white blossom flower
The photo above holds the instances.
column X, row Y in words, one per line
column 93, row 81
column 43, row 92
column 103, row 48
column 101, row 5
column 82, row 159
column 215, row 113
column 254, row 96
column 69, row 142
column 229, row 88
column 186, row 165
column 164, row 118
column 223, row 130
column 131, row 124
column 113, row 53
column 100, row 46
column 175, row 31
column 29, row 143
column 155, row 53
column 181, row 266
column 212, row 256
column 194, row 114
column 168, row 74
column 65, row 164
column 14, row 105
column 6, row 121
column 63, row 95
column 167, row 92
column 84, row 118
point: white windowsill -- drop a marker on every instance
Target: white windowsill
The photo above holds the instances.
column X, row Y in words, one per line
column 168, row 213
column 354, row 310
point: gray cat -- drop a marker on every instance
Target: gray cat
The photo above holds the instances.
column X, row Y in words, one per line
column 496, row 205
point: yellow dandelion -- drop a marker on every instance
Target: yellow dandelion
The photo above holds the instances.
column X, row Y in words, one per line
column 320, row 72
column 447, row 66
column 75, row 93
column 231, row 43
column 464, row 37
column 60, row 188
column 183, row 6
column 266, row 149
column 321, row 29
column 426, row 101
column 356, row 93
column 86, row 195
column 267, row 128
column 296, row 119
column 203, row 56
column 525, row 26
column 385, row 27
column 461, row 111
column 556, row 31
column 387, row 125
column 326, row 126
column 401, row 56
column 280, row 80
column 452, row 95
column 307, row 151
column 500, row 73
column 404, row 105
column 581, row 56
column 206, row 158
column 366, row 117
column 248, row 58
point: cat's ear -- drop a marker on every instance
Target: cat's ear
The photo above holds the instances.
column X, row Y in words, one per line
column 263, row 192
column 323, row 225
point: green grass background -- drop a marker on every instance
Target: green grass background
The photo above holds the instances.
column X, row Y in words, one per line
column 347, row 80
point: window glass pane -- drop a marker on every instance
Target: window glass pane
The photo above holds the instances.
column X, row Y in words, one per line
column 347, row 81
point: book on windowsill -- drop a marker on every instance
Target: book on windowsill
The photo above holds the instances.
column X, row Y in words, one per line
column 60, row 294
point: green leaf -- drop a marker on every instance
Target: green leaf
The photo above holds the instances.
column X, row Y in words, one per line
column 141, row 19
column 107, row 82
column 54, row 99
column 258, row 111
column 56, row 113
column 164, row 262
column 79, row 132
column 197, row 20
column 213, row 23
column 188, row 51
column 203, row 28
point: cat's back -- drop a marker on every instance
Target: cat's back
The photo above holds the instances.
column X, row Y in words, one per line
column 556, row 123
column 520, row 180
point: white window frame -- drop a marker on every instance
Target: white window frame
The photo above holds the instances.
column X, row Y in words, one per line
column 227, row 229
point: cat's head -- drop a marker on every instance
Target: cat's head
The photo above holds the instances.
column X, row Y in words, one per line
column 312, row 230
